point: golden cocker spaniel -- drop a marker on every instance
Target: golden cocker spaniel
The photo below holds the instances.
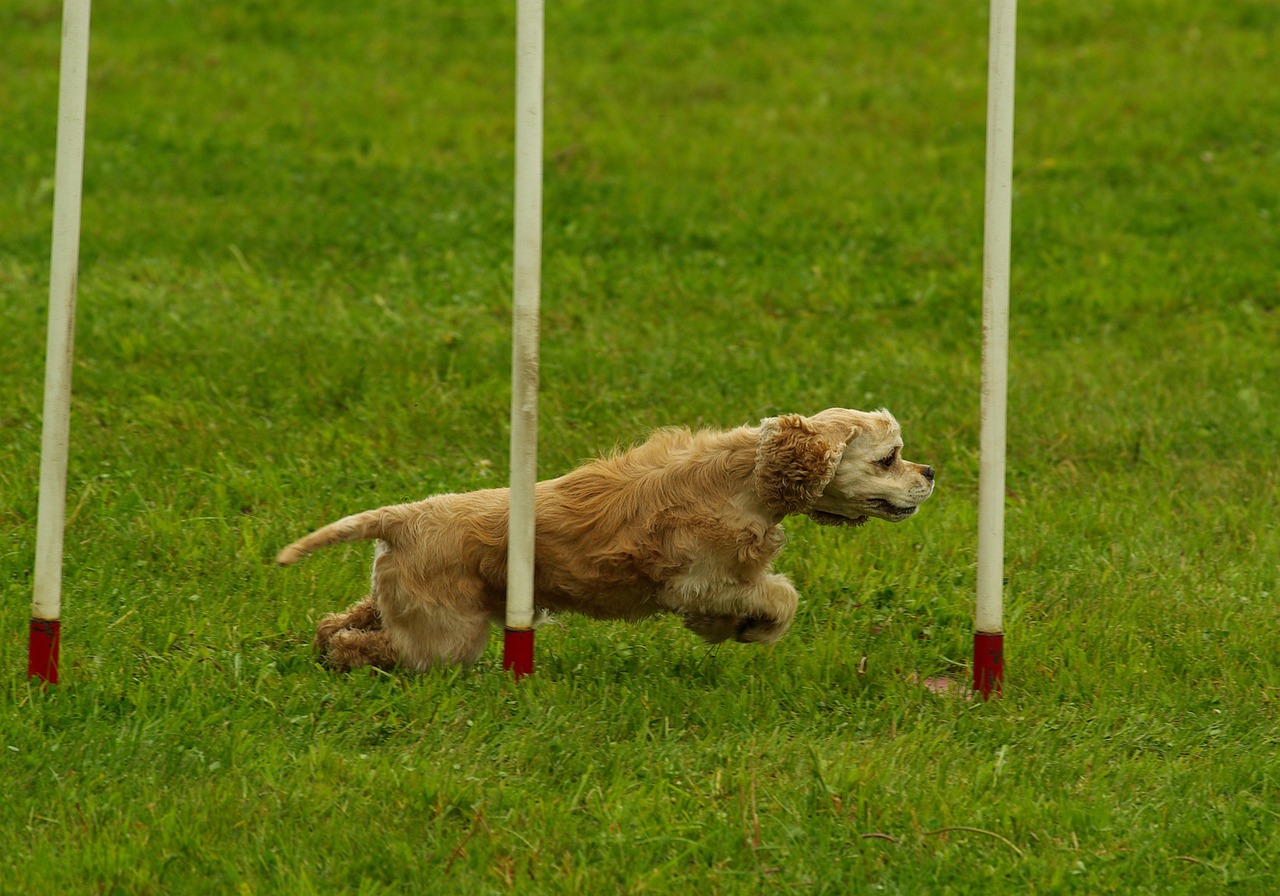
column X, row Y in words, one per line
column 685, row 523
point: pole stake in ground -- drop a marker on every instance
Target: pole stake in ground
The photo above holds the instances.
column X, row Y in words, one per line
column 46, row 602
column 526, row 282
column 988, row 653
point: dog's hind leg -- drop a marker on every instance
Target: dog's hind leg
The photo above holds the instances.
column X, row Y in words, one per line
column 351, row 648
column 362, row 616
column 440, row 636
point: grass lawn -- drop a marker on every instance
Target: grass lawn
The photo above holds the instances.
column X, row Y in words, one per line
column 294, row 304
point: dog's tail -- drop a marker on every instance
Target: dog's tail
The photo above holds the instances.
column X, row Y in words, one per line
column 383, row 523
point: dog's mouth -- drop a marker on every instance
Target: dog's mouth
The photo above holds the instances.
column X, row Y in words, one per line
column 834, row 519
column 889, row 511
column 877, row 507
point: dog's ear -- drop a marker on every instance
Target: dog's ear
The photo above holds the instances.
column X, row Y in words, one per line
column 797, row 456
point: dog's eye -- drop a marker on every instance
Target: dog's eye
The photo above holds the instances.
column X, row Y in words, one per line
column 887, row 462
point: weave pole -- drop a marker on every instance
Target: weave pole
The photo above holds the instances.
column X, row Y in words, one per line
column 988, row 637
column 517, row 650
column 46, row 605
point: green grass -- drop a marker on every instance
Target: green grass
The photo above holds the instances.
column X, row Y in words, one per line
column 294, row 304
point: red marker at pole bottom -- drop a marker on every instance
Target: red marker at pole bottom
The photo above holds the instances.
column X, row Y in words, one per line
column 517, row 652
column 42, row 650
column 988, row 663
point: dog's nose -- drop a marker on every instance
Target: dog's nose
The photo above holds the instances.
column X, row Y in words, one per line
column 927, row 473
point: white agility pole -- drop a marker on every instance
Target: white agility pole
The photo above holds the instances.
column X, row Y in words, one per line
column 988, row 639
column 46, row 605
column 517, row 656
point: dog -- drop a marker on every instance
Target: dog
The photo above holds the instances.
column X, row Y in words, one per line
column 685, row 523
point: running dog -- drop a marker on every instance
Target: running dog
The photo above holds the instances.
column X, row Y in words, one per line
column 685, row 523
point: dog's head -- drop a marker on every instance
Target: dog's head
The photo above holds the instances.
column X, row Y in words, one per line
column 840, row 467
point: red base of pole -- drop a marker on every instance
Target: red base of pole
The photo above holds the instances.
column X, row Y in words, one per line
column 517, row 652
column 42, row 650
column 988, row 663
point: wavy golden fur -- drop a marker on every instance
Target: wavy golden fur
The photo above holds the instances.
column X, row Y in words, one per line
column 685, row 523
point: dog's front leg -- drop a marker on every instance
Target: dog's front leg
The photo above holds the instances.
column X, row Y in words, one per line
column 760, row 614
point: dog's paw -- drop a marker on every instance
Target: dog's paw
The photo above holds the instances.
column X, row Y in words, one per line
column 713, row 629
column 743, row 629
column 326, row 628
column 351, row 648
column 761, row 630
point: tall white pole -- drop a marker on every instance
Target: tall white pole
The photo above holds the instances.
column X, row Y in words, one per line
column 988, row 670
column 46, row 605
column 526, row 282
